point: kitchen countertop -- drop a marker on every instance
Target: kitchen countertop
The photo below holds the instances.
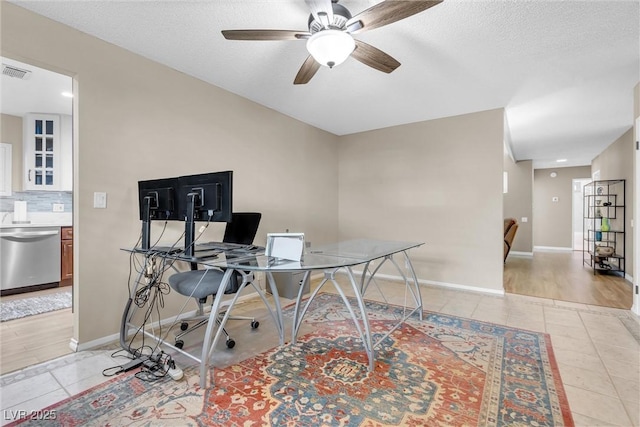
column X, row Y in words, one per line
column 38, row 219
column 3, row 226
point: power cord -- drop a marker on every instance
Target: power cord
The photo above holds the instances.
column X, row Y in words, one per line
column 152, row 293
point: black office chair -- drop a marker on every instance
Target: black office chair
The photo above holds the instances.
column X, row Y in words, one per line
column 200, row 284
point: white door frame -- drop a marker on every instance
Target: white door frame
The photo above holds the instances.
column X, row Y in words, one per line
column 636, row 223
column 577, row 207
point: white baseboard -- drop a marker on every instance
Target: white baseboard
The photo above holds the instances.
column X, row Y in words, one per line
column 441, row 284
column 521, row 254
column 552, row 249
column 499, row 292
column 76, row 347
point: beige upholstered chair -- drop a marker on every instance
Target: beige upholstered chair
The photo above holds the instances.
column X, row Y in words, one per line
column 510, row 228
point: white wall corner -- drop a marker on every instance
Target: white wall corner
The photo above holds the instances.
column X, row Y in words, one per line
column 507, row 138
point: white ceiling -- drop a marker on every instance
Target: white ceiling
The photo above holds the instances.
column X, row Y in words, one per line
column 564, row 70
column 39, row 92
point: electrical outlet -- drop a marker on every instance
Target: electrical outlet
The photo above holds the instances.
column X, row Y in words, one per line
column 58, row 207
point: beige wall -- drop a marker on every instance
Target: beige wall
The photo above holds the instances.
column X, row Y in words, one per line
column 12, row 133
column 552, row 221
column 518, row 201
column 439, row 182
column 140, row 120
column 616, row 162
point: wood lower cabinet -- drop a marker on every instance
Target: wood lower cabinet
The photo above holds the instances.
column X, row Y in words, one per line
column 66, row 256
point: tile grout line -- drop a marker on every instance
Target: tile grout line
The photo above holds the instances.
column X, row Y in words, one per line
column 606, row 370
column 40, row 395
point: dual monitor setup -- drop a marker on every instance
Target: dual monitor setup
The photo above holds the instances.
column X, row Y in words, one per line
column 204, row 197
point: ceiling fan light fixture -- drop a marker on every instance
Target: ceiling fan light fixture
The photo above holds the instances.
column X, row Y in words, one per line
column 330, row 47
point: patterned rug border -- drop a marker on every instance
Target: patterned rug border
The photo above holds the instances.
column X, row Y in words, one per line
column 548, row 352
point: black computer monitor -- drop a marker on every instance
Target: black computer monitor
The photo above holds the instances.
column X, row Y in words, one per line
column 158, row 201
column 161, row 195
column 204, row 197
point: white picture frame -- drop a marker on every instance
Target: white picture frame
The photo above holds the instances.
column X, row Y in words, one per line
column 289, row 246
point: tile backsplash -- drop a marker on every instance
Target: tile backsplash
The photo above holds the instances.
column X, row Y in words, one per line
column 38, row 201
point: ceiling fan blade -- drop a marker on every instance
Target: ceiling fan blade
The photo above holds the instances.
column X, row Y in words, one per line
column 307, row 71
column 265, row 35
column 388, row 12
column 374, row 57
column 322, row 10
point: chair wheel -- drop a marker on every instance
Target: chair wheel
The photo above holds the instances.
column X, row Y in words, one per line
column 184, row 326
column 255, row 324
column 179, row 343
column 230, row 343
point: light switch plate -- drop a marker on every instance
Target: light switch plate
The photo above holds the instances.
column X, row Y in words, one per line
column 100, row 200
column 58, row 207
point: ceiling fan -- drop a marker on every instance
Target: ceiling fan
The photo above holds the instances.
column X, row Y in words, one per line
column 330, row 37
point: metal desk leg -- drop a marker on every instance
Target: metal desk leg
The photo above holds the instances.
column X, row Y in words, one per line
column 364, row 331
column 367, row 339
column 296, row 324
column 414, row 288
column 276, row 300
column 129, row 310
column 417, row 295
column 207, row 344
column 298, row 315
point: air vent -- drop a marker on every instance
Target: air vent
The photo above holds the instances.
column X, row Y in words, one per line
column 11, row 71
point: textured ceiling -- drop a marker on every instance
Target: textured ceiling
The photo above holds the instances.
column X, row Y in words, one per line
column 564, row 70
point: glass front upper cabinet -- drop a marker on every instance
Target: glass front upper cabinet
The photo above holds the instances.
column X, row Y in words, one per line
column 42, row 152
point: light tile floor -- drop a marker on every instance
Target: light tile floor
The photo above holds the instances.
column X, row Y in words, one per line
column 597, row 350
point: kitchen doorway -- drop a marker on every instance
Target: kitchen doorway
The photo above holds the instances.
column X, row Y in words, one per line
column 36, row 108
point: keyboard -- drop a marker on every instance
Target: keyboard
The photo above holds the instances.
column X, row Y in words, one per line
column 163, row 249
column 225, row 247
column 221, row 246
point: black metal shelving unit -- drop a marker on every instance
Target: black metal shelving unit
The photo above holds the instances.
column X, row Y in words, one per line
column 604, row 202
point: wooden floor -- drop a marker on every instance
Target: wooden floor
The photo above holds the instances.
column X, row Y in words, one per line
column 34, row 339
column 562, row 276
column 554, row 275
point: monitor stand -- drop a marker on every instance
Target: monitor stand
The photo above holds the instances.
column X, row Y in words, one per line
column 146, row 224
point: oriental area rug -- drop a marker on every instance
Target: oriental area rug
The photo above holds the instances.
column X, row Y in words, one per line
column 441, row 371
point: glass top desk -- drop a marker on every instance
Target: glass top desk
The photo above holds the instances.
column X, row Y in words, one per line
column 330, row 258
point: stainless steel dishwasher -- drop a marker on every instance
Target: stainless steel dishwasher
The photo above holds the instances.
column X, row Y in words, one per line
column 29, row 256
